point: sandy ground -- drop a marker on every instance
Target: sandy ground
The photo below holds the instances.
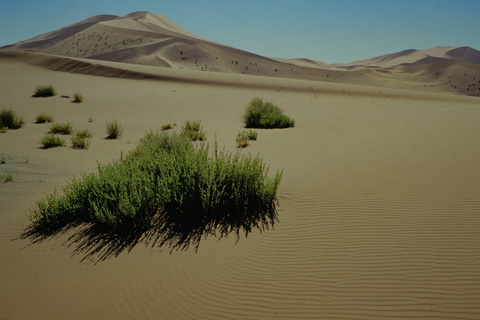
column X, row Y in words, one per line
column 379, row 210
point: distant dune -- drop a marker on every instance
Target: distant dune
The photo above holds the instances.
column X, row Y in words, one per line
column 145, row 38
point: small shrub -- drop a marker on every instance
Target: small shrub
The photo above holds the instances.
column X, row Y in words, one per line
column 8, row 119
column 84, row 134
column 90, row 119
column 61, row 128
column 114, row 130
column 52, row 141
column 242, row 139
column 252, row 135
column 43, row 117
column 168, row 125
column 260, row 114
column 81, row 139
column 77, row 97
column 8, row 177
column 193, row 131
column 3, row 129
column 44, row 91
column 80, row 142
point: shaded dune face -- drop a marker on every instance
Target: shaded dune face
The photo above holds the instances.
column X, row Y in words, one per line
column 145, row 38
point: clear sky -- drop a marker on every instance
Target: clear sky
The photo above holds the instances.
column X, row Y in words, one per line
column 326, row 30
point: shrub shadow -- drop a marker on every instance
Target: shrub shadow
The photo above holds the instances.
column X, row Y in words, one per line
column 98, row 242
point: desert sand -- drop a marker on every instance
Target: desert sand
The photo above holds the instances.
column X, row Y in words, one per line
column 378, row 205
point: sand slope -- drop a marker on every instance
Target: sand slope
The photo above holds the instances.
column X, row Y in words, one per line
column 378, row 202
column 145, row 38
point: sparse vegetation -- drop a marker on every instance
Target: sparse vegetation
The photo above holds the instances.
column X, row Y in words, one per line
column 52, row 141
column 44, row 91
column 80, row 142
column 81, row 139
column 193, row 130
column 244, row 136
column 168, row 125
column 61, row 128
column 168, row 192
column 77, row 97
column 43, row 117
column 84, row 134
column 3, row 129
column 9, row 120
column 7, row 177
column 260, row 114
column 114, row 130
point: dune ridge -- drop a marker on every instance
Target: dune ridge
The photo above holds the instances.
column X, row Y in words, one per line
column 145, row 38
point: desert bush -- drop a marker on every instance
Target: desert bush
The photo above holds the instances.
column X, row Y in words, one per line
column 168, row 191
column 242, row 139
column 44, row 91
column 193, row 130
column 260, row 114
column 77, row 97
column 3, row 129
column 168, row 125
column 61, row 128
column 81, row 139
column 244, row 136
column 252, row 135
column 84, row 134
column 9, row 119
column 51, row 141
column 80, row 142
column 43, row 117
column 114, row 130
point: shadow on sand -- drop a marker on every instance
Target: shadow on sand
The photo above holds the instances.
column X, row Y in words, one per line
column 98, row 242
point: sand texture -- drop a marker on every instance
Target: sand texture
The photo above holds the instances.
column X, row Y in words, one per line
column 378, row 205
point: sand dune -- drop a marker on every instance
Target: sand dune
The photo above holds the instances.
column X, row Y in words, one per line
column 145, row 38
column 378, row 202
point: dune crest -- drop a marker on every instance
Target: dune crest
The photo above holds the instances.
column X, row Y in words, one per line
column 144, row 38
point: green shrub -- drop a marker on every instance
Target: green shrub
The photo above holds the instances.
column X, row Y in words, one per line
column 81, row 139
column 3, row 129
column 77, row 97
column 168, row 192
column 114, row 130
column 242, row 139
column 51, row 141
column 260, row 114
column 244, row 136
column 193, row 130
column 44, row 91
column 252, row 135
column 61, row 128
column 43, row 117
column 8, row 119
column 168, row 125
column 80, row 142
column 84, row 134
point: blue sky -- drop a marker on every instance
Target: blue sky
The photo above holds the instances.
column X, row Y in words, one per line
column 325, row 30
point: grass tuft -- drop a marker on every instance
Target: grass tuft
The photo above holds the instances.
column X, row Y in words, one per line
column 43, row 117
column 81, row 139
column 193, row 130
column 52, row 141
column 61, row 128
column 168, row 125
column 44, row 91
column 9, row 120
column 266, row 115
column 166, row 192
column 77, row 97
column 114, row 130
